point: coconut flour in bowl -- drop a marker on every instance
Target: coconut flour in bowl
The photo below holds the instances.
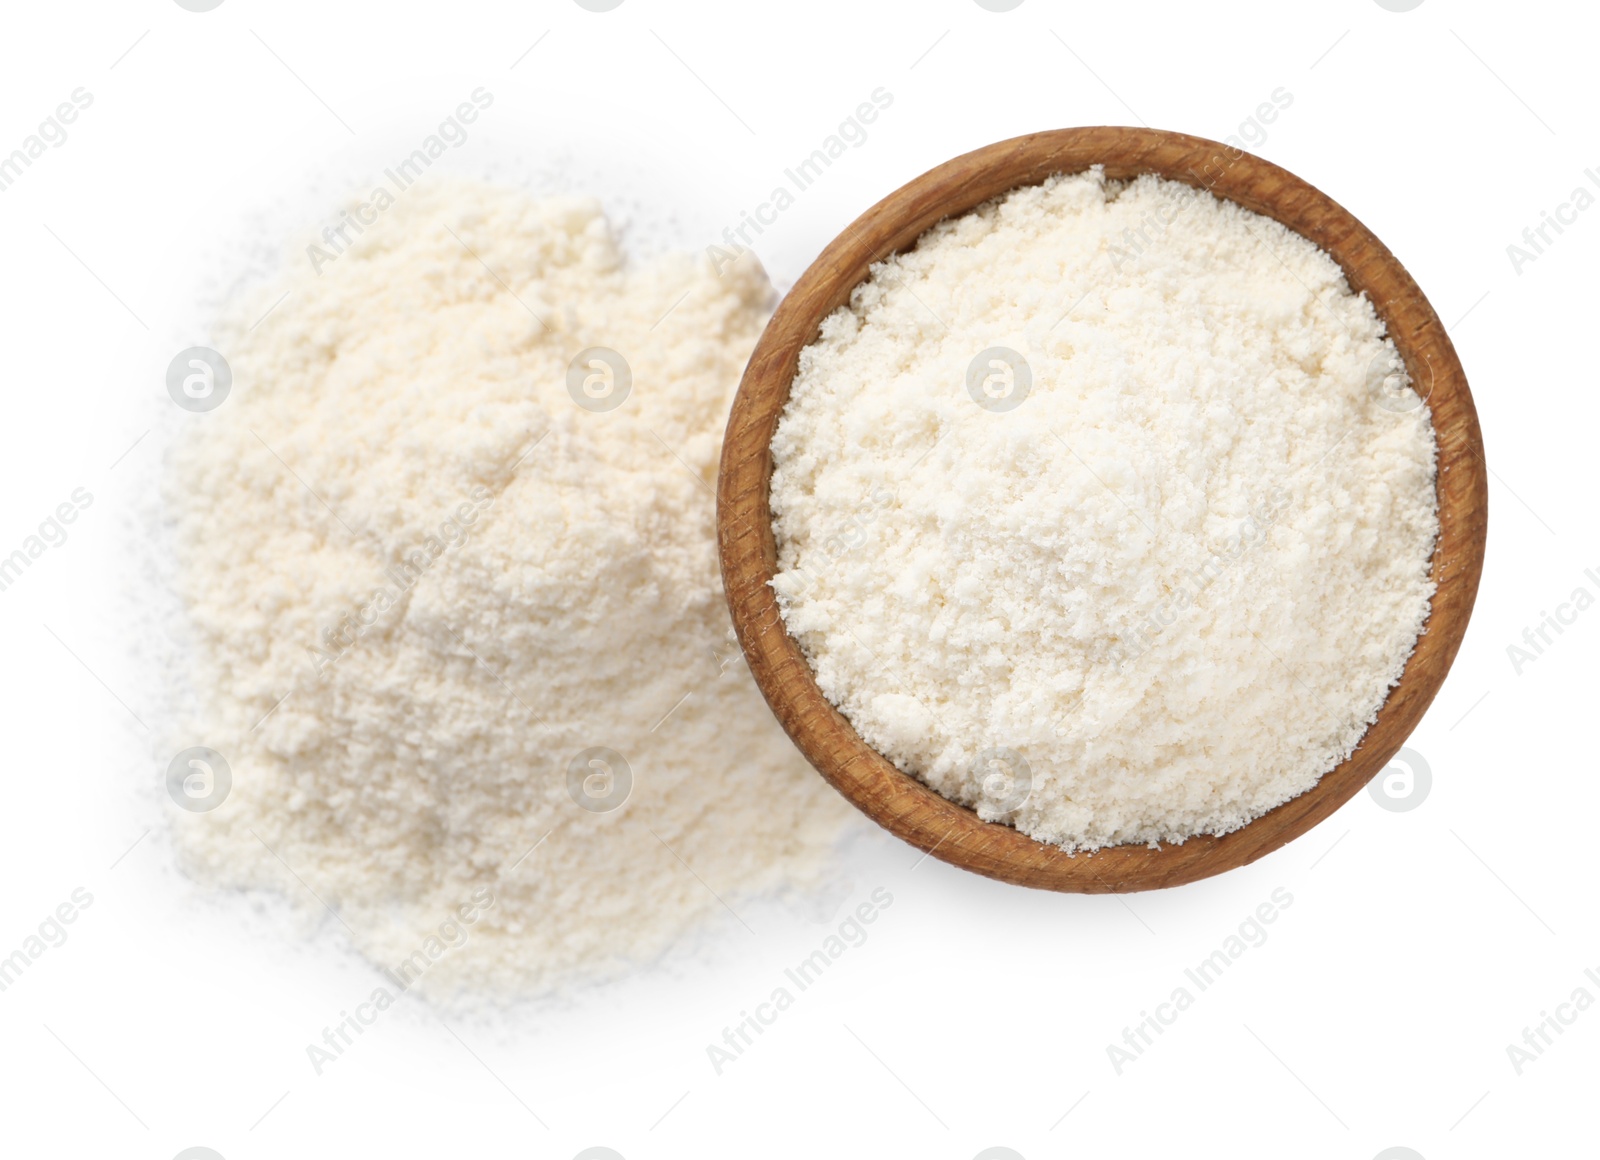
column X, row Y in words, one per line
column 1107, row 511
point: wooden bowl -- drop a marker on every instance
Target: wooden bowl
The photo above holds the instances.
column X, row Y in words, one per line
column 901, row 803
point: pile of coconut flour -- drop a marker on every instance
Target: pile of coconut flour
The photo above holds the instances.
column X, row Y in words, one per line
column 425, row 577
column 1166, row 590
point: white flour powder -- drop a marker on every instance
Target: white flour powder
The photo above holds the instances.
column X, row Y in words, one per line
column 1170, row 587
column 423, row 580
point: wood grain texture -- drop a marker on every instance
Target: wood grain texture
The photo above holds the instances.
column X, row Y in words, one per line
column 904, row 805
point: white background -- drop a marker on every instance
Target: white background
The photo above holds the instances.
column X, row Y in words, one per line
column 1418, row 945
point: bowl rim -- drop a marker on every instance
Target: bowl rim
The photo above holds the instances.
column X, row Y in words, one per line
column 747, row 549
